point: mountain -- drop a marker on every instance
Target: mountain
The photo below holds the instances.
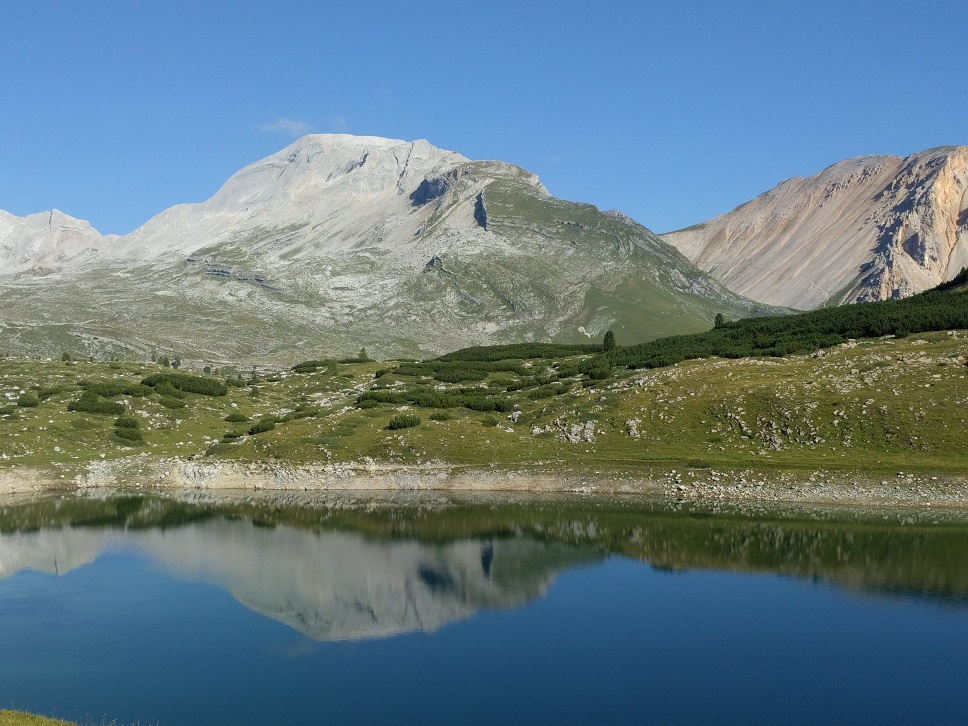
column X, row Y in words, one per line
column 338, row 242
column 871, row 228
column 44, row 242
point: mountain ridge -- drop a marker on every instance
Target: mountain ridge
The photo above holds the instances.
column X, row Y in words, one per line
column 337, row 242
column 867, row 228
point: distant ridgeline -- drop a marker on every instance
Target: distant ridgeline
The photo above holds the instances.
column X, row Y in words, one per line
column 942, row 308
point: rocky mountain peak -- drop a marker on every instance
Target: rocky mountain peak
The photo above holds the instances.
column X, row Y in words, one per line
column 873, row 227
column 44, row 240
column 323, row 247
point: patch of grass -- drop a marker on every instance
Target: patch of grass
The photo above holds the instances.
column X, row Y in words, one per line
column 873, row 406
column 698, row 464
column 83, row 424
column 19, row 718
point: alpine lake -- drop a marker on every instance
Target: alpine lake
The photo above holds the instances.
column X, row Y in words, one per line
column 250, row 608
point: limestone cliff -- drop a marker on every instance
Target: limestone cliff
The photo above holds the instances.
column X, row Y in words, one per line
column 869, row 228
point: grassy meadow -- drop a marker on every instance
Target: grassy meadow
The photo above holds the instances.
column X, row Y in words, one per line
column 879, row 406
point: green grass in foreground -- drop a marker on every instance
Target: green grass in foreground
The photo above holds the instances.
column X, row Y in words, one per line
column 879, row 405
column 18, row 718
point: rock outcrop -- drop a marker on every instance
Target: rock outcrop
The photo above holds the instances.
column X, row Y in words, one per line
column 870, row 228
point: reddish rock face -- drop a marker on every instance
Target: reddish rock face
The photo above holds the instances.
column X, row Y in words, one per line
column 870, row 228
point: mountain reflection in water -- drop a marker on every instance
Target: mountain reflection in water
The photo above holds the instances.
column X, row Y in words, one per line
column 330, row 585
column 349, row 573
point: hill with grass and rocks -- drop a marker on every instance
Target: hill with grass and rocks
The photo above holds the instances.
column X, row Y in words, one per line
column 773, row 408
column 338, row 242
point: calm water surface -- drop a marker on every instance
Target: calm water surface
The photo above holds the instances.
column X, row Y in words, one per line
column 150, row 610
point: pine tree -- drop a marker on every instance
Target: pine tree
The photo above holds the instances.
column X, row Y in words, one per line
column 609, row 341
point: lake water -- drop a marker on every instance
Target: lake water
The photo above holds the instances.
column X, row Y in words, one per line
column 151, row 610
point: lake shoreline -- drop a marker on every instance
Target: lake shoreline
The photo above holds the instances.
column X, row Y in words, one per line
column 820, row 487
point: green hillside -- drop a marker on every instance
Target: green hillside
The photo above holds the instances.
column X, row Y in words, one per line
column 874, row 405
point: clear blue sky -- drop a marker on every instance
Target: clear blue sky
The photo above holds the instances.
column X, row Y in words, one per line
column 672, row 112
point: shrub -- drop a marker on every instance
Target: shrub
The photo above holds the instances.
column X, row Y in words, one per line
column 165, row 389
column 112, row 389
column 171, row 402
column 229, row 435
column 460, row 375
column 403, row 421
column 524, row 351
column 440, row 416
column 428, row 398
column 361, row 357
column 96, row 404
column 368, row 403
column 483, row 403
column 264, row 424
column 234, row 383
column 598, row 373
column 489, row 421
column 132, row 435
column 188, row 383
column 311, row 366
column 236, row 417
column 125, row 421
column 502, row 383
column 28, row 400
column 547, row 391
